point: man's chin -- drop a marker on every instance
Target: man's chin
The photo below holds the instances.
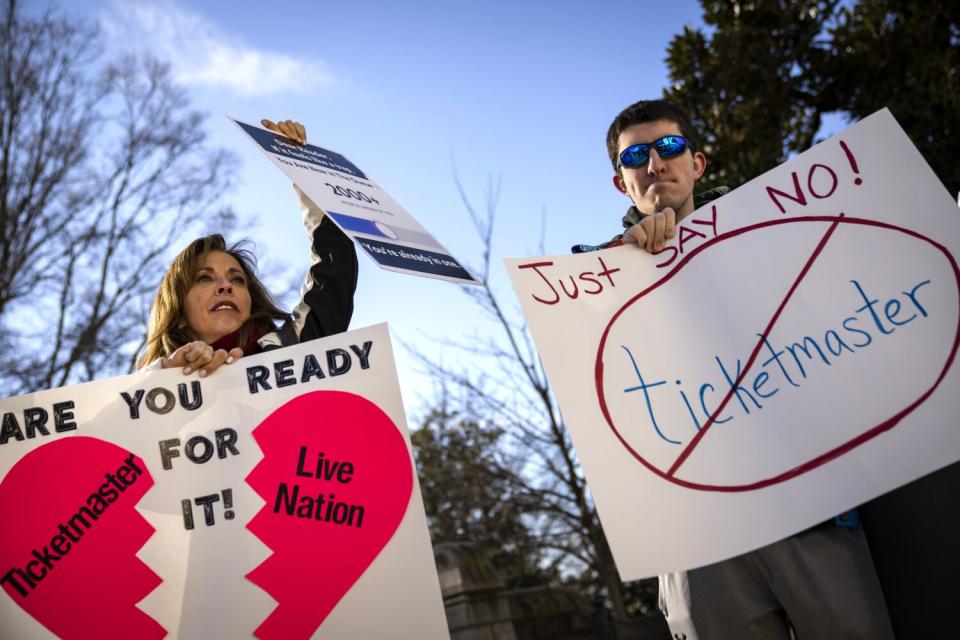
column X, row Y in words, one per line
column 661, row 196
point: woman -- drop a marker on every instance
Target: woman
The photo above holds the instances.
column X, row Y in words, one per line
column 211, row 309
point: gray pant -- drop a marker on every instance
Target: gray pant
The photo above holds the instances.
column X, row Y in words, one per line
column 822, row 580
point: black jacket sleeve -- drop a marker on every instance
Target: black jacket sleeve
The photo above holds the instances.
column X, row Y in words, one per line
column 326, row 298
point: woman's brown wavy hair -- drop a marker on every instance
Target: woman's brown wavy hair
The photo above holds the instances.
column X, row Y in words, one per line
column 166, row 331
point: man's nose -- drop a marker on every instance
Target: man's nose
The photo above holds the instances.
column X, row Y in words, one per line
column 655, row 165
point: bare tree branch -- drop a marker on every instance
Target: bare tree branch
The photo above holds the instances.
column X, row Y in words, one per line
column 504, row 390
column 102, row 168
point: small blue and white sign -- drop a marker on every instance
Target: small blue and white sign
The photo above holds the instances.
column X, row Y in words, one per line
column 364, row 211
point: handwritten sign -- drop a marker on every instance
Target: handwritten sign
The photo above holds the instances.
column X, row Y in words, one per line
column 364, row 211
column 790, row 354
column 275, row 499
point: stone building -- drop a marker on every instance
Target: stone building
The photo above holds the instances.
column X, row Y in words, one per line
column 480, row 607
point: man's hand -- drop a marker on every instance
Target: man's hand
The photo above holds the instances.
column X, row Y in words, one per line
column 653, row 231
column 289, row 128
column 199, row 355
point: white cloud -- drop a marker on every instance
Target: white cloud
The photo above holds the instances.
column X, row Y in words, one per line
column 201, row 54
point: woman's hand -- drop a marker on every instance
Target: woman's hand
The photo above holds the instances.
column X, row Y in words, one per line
column 199, row 355
column 289, row 128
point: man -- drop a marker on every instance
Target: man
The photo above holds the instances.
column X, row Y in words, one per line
column 821, row 582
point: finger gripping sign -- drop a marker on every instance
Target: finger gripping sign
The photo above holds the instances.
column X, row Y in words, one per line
column 790, row 355
column 274, row 499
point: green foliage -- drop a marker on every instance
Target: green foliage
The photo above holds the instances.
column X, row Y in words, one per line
column 471, row 494
column 760, row 77
column 905, row 56
column 751, row 85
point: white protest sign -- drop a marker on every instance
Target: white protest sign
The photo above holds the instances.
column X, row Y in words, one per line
column 788, row 356
column 364, row 211
column 276, row 498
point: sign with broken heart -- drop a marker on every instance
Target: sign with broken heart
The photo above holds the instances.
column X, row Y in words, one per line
column 274, row 499
column 789, row 355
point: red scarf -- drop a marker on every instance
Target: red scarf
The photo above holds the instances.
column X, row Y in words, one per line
column 232, row 340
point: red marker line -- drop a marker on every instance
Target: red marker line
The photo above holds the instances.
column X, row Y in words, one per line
column 756, row 350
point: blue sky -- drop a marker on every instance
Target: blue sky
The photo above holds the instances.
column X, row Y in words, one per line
column 518, row 91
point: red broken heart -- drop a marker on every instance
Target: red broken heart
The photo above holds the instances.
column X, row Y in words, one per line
column 69, row 560
column 337, row 477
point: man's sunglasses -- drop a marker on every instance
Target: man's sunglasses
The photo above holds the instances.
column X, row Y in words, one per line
column 638, row 154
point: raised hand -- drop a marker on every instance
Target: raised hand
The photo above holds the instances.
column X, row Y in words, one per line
column 289, row 128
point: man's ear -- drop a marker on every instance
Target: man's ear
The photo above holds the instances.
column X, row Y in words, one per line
column 618, row 183
column 699, row 165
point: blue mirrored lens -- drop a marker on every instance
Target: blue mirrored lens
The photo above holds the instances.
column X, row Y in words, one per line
column 635, row 156
column 667, row 147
